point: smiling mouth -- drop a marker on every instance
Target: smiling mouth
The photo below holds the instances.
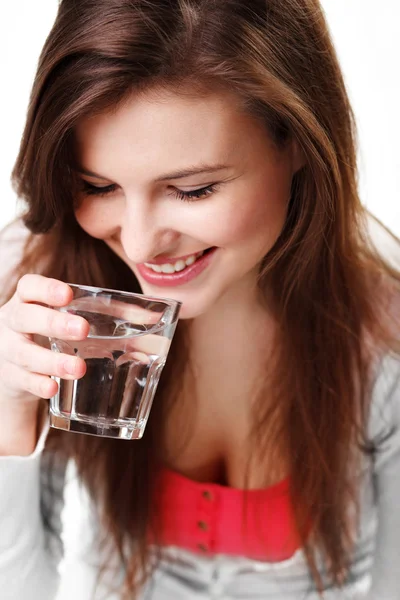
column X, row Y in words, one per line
column 177, row 273
column 178, row 265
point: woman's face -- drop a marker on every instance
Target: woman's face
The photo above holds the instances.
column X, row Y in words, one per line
column 167, row 177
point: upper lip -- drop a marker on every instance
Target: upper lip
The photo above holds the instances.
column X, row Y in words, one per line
column 167, row 260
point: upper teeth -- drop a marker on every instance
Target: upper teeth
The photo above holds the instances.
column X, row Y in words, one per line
column 175, row 267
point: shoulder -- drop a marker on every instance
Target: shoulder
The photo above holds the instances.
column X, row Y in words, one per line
column 385, row 241
column 12, row 244
column 384, row 421
column 14, row 232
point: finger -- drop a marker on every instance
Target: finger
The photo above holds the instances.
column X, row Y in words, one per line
column 35, row 319
column 37, row 288
column 30, row 357
column 17, row 381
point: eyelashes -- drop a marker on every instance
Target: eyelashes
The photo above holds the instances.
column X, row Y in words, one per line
column 92, row 190
column 195, row 194
column 199, row 194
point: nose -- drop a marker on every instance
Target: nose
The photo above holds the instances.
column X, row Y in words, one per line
column 144, row 232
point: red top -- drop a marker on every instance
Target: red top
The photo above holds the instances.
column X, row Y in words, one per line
column 212, row 518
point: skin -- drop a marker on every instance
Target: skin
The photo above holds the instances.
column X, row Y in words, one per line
column 141, row 220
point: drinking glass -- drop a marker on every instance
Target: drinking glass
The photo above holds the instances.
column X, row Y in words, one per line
column 125, row 352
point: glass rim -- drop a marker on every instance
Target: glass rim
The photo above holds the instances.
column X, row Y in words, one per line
column 91, row 288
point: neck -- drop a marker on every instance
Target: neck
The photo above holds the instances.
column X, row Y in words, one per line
column 240, row 320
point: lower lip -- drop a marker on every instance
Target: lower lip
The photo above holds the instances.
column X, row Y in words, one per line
column 174, row 279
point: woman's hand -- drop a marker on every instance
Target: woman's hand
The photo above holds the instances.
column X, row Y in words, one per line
column 26, row 366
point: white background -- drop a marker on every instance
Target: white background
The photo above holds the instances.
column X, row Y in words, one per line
column 367, row 38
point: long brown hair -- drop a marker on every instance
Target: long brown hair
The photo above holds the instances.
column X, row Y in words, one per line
column 324, row 277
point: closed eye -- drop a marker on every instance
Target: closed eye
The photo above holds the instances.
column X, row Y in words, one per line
column 93, row 190
column 194, row 195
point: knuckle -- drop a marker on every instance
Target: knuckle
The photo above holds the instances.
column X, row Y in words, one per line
column 26, row 382
column 53, row 287
column 64, row 365
column 22, row 283
column 14, row 316
column 45, row 386
column 23, row 356
column 53, row 324
column 42, row 387
column 31, row 385
column 59, row 364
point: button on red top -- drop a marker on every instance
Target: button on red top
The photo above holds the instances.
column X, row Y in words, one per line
column 211, row 518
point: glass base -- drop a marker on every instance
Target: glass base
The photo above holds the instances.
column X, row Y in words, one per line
column 122, row 432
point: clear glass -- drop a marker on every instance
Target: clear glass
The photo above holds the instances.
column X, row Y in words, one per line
column 125, row 352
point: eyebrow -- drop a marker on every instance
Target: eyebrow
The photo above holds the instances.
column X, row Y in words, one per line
column 200, row 169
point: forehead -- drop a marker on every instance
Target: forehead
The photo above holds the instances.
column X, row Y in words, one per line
column 152, row 131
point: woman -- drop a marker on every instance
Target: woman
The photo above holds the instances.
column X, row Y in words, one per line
column 203, row 151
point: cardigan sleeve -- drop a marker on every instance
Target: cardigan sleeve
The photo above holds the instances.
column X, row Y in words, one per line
column 28, row 570
column 28, row 567
column 385, row 419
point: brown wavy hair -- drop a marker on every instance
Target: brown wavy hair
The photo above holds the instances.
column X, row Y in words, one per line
column 332, row 292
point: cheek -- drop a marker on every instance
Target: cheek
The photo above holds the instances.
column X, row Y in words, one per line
column 259, row 221
column 96, row 219
column 255, row 212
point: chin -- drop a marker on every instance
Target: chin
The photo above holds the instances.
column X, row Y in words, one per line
column 191, row 307
column 189, row 311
